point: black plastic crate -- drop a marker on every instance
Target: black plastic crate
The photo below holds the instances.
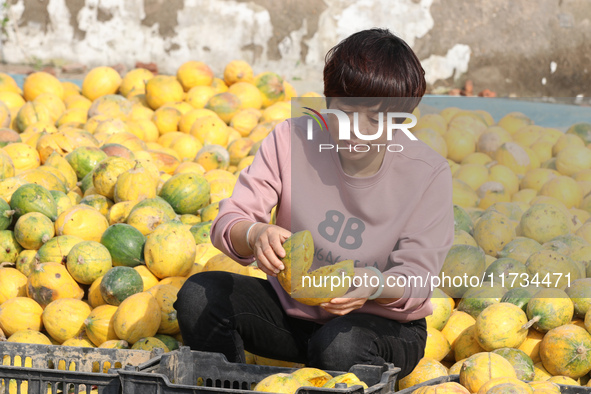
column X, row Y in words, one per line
column 565, row 389
column 66, row 369
column 180, row 371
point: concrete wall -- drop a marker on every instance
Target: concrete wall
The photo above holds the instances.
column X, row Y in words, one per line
column 522, row 47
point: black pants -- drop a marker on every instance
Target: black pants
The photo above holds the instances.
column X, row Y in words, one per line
column 229, row 313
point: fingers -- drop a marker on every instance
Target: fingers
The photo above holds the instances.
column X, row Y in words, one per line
column 354, row 299
column 276, row 240
column 266, row 257
column 282, row 236
column 268, row 247
column 343, row 306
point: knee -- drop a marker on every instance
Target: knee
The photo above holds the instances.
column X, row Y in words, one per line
column 339, row 347
column 199, row 293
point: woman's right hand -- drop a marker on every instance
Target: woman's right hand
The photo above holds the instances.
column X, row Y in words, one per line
column 267, row 241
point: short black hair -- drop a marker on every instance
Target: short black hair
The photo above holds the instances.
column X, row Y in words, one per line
column 374, row 63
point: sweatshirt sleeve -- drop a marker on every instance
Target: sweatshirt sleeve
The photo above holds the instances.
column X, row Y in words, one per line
column 257, row 191
column 424, row 244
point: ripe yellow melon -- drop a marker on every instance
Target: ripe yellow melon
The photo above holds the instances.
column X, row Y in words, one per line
column 270, row 85
column 8, row 84
column 493, row 231
column 501, row 325
column 194, row 73
column 210, row 130
column 64, row 318
column 458, row 322
column 71, row 89
column 460, row 143
column 166, row 295
column 13, row 283
column 514, row 121
column 237, row 71
column 20, row 313
column 551, row 135
column 134, row 184
column 477, row 158
column 513, row 156
column 225, row 105
column 490, row 193
column 148, row 278
column 100, row 81
column 542, row 222
column 83, row 221
column 33, row 229
column 31, row 113
column 42, row 82
column 99, row 324
column 81, row 341
column 564, row 189
column 437, row 346
column 277, row 112
column 473, row 175
column 112, row 106
column 248, row 94
column 566, row 351
column 219, row 85
column 140, row 111
column 106, row 173
column 166, row 119
column 467, row 344
column 135, row 81
column 144, row 129
column 425, row 370
column 95, row 298
column 573, row 159
column 72, row 117
column 28, row 336
column 531, row 345
column 536, row 178
column 513, row 384
column 468, row 121
column 163, row 89
column 565, row 141
column 504, row 175
column 282, row 383
column 137, row 317
column 52, row 103
column 550, row 307
column 170, row 250
column 77, row 102
column 463, row 194
column 483, row 367
column 198, row 96
column 23, row 156
column 527, row 135
column 543, row 150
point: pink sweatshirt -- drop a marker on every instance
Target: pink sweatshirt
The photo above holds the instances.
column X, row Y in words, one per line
column 399, row 220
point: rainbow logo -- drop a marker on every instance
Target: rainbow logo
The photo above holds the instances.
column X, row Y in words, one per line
column 317, row 117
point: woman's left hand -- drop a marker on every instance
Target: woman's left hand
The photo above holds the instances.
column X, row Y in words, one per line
column 355, row 298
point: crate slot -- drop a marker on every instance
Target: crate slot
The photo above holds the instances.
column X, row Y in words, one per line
column 49, row 367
